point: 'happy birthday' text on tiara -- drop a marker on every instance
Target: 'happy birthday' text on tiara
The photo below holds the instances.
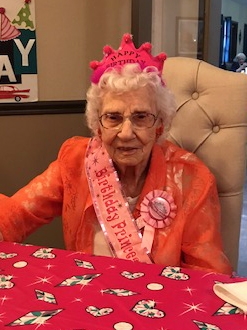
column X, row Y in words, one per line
column 126, row 53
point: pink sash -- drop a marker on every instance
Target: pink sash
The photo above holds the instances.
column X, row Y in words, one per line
column 111, row 207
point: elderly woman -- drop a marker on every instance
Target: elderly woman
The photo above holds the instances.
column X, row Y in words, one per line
column 126, row 192
column 239, row 63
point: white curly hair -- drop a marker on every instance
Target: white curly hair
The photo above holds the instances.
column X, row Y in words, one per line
column 127, row 78
column 240, row 56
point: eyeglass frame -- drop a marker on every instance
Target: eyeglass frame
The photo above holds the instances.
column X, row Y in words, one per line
column 118, row 127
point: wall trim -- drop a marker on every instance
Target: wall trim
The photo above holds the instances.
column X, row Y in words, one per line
column 43, row 107
column 141, row 21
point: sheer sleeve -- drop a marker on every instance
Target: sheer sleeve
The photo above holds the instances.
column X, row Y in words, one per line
column 202, row 244
column 32, row 206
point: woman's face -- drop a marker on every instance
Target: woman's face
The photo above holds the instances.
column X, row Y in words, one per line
column 129, row 146
column 241, row 60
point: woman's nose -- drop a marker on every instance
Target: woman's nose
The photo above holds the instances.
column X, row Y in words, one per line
column 126, row 131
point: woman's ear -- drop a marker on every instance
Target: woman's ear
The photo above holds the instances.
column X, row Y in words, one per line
column 99, row 132
column 159, row 130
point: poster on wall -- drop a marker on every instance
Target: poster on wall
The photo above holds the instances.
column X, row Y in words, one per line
column 18, row 60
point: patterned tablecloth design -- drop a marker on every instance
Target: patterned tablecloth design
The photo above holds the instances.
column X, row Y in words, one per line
column 52, row 289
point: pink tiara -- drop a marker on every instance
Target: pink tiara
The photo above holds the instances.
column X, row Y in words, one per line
column 126, row 53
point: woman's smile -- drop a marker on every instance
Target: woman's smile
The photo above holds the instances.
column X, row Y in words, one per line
column 128, row 150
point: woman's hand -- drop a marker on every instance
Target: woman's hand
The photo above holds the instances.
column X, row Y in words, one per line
column 242, row 67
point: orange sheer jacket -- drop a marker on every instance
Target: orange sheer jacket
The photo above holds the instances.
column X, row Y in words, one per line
column 192, row 240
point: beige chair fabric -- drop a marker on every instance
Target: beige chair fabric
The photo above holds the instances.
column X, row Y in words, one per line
column 211, row 121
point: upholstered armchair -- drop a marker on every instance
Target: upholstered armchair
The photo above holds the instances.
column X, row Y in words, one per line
column 211, row 121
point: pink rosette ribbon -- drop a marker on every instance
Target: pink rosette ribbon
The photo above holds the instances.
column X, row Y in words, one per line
column 157, row 211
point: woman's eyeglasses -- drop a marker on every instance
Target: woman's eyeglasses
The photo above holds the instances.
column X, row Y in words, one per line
column 139, row 120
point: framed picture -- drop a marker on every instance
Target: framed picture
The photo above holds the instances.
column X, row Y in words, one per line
column 190, row 34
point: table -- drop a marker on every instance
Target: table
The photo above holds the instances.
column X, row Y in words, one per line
column 53, row 289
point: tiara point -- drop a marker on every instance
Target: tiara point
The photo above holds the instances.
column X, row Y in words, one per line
column 147, row 47
column 107, row 50
column 162, row 56
column 127, row 37
column 94, row 65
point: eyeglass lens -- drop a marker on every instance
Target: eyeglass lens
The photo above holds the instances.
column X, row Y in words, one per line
column 138, row 120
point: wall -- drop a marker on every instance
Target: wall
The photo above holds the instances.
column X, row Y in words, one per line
column 238, row 12
column 165, row 18
column 28, row 144
column 165, row 30
column 69, row 35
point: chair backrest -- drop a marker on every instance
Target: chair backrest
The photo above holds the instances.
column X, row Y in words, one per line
column 211, row 121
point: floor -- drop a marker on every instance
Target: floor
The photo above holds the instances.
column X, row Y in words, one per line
column 242, row 264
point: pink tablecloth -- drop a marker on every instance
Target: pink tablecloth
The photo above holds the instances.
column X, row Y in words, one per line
column 46, row 288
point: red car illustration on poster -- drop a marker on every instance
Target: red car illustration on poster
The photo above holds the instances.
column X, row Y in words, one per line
column 12, row 92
